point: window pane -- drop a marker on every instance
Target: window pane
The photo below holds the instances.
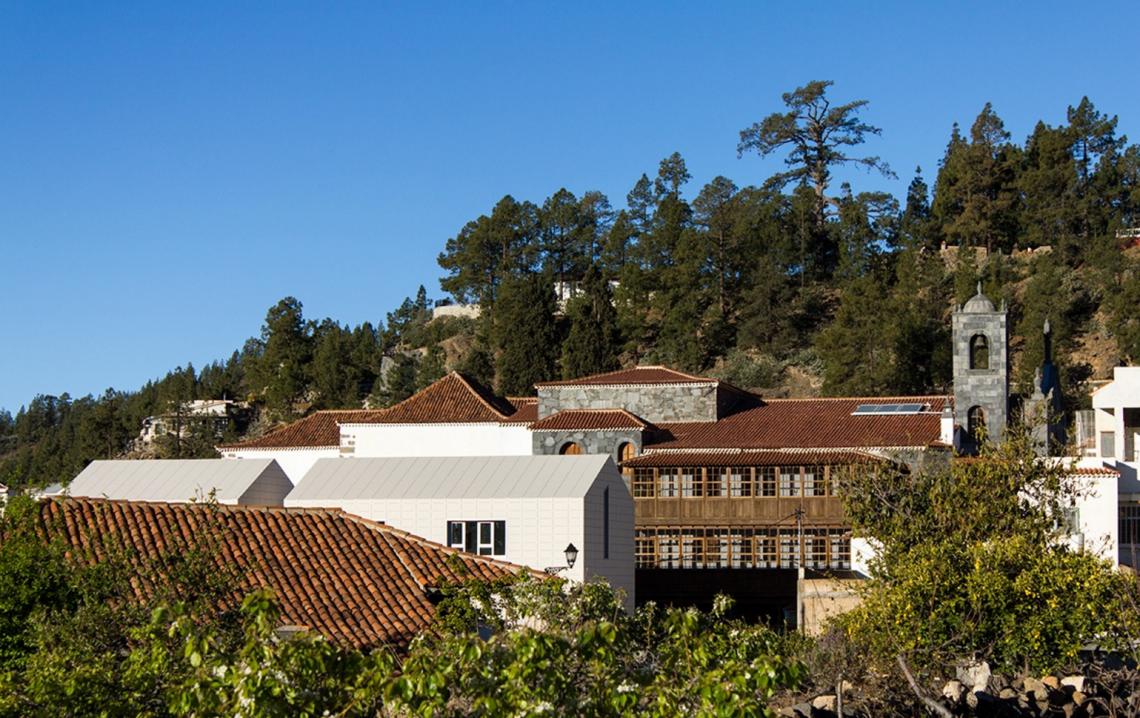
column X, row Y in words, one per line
column 690, row 483
column 667, row 483
column 455, row 533
column 485, row 532
column 740, row 482
column 766, row 478
column 500, row 538
column 606, row 523
column 789, row 481
column 472, row 533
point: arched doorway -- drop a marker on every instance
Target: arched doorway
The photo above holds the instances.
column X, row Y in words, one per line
column 571, row 448
column 975, row 421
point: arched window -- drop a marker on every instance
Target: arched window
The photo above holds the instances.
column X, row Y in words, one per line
column 626, row 451
column 570, row 448
column 975, row 420
column 979, row 352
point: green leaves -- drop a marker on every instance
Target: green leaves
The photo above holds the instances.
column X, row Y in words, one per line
column 572, row 650
column 971, row 564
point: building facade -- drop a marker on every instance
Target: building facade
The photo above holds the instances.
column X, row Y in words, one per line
column 523, row 509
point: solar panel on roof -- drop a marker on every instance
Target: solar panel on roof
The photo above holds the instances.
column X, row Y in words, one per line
column 881, row 409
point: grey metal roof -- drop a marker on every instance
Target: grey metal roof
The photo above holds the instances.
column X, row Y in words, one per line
column 170, row 480
column 474, row 477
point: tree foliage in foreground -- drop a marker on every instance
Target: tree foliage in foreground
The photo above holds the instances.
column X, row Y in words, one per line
column 972, row 562
column 75, row 639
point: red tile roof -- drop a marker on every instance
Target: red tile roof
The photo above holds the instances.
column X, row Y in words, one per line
column 317, row 430
column 810, row 424
column 526, row 409
column 1093, row 471
column 590, row 420
column 751, row 458
column 454, row 399
column 636, row 375
column 357, row 582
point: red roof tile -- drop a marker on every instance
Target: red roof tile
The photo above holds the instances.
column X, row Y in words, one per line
column 526, row 410
column 357, row 582
column 454, row 399
column 750, row 458
column 810, row 424
column 317, row 430
column 636, row 375
column 589, row 419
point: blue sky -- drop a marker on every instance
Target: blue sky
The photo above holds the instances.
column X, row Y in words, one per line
column 170, row 170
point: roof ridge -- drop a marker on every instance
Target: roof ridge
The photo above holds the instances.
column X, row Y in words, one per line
column 635, row 368
column 855, row 398
column 468, row 384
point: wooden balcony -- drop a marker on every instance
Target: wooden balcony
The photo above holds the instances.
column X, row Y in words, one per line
column 737, row 511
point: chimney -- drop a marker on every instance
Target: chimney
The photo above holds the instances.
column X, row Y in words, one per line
column 946, row 430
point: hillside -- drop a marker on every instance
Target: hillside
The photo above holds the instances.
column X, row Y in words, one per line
column 791, row 287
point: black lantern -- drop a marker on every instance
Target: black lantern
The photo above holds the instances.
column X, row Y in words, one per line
column 571, row 555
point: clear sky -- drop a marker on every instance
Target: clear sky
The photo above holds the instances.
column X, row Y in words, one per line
column 168, row 171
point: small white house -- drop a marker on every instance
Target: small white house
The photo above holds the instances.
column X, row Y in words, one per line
column 251, row 482
column 524, row 509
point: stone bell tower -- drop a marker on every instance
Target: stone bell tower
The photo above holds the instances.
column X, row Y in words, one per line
column 981, row 370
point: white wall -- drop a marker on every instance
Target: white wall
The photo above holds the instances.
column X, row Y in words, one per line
column 538, row 529
column 863, row 550
column 618, row 570
column 294, row 462
column 269, row 489
column 436, row 439
column 1109, row 401
column 1099, row 515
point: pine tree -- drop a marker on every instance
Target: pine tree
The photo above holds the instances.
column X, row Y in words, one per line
column 975, row 197
column 431, row 367
column 592, row 344
column 281, row 370
column 525, row 334
column 916, row 226
column 816, row 135
column 336, row 377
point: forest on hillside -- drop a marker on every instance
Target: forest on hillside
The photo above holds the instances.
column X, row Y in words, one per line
column 792, row 286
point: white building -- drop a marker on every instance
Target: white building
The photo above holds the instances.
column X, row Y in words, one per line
column 1116, row 409
column 297, row 446
column 216, row 414
column 522, row 509
column 251, row 483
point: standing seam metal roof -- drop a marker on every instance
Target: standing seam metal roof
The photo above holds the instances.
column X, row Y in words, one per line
column 176, row 480
column 468, row 477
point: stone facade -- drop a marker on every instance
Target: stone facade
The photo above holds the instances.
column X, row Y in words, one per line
column 607, row 441
column 987, row 388
column 652, row 402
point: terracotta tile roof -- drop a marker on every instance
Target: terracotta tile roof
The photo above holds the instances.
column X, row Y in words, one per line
column 1093, row 471
column 589, row 419
column 356, row 582
column 751, row 458
column 317, row 430
column 1066, row 463
column 810, row 424
column 635, row 375
column 526, row 409
column 454, row 399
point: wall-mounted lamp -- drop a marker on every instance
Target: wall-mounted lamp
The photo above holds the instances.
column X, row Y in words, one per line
column 571, row 554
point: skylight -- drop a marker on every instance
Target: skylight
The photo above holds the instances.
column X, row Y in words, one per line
column 881, row 409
